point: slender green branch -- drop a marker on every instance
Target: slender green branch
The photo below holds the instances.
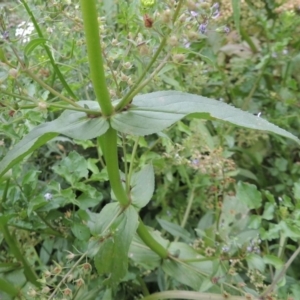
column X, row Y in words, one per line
column 85, row 110
column 14, row 247
column 270, row 288
column 9, row 289
column 188, row 208
column 153, row 74
column 128, row 98
column 248, row 39
column 49, row 88
column 143, row 286
column 14, row 95
column 53, row 63
column 188, row 295
column 91, row 28
column 149, row 240
column 254, row 87
column 108, row 143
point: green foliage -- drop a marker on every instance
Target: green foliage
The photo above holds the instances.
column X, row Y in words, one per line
column 121, row 177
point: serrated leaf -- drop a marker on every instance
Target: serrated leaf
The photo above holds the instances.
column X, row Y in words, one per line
column 81, row 231
column 73, row 168
column 254, row 261
column 269, row 210
column 142, row 186
column 112, row 257
column 33, row 44
column 151, row 113
column 234, row 217
column 248, row 194
column 73, row 124
column 273, row 260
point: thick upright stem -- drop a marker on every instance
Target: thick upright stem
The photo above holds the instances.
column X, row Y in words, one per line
column 108, row 143
column 91, row 28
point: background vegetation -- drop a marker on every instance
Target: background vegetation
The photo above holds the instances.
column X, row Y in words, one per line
column 230, row 196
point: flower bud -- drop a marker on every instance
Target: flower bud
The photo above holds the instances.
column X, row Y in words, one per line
column 148, row 3
column 13, row 73
column 178, row 58
column 173, row 41
column 166, row 16
column 42, row 105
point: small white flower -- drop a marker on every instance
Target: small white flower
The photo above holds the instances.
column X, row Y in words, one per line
column 48, row 196
column 24, row 30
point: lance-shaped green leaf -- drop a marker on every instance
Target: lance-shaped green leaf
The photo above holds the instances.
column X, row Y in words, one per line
column 116, row 234
column 151, row 113
column 74, row 124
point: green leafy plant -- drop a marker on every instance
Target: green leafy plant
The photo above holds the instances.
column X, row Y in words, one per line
column 115, row 233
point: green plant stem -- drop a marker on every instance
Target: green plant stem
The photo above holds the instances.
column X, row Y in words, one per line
column 91, row 28
column 270, row 288
column 52, row 61
column 85, row 110
column 282, row 243
column 191, row 296
column 249, row 41
column 14, row 247
column 188, row 207
column 154, row 73
column 148, row 239
column 9, row 289
column 143, row 285
column 128, row 98
column 26, row 98
column 135, row 88
column 49, row 88
column 108, row 143
column 254, row 87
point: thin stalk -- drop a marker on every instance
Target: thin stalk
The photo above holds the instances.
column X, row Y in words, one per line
column 14, row 246
column 251, row 93
column 128, row 98
column 153, row 74
column 248, row 39
column 49, row 88
column 270, row 288
column 91, row 28
column 143, row 285
column 26, row 98
column 49, row 54
column 282, row 243
column 191, row 296
column 108, row 143
column 9, row 289
column 188, row 208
